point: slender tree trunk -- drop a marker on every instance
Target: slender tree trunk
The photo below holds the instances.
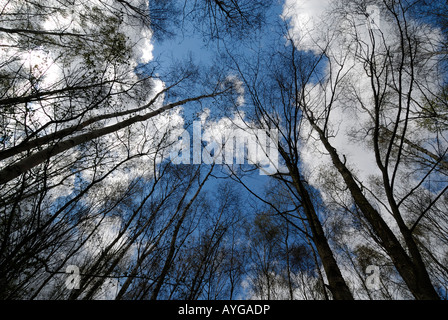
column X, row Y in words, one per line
column 413, row 272
column 442, row 163
column 288, row 265
column 337, row 284
column 172, row 249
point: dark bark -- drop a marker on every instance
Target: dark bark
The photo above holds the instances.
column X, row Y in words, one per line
column 336, row 282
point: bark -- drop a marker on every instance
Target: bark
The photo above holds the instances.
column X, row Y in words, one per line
column 337, row 284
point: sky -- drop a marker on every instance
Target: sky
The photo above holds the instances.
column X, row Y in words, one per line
column 306, row 19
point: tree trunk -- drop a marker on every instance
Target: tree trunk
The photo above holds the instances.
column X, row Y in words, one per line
column 414, row 274
column 172, row 248
column 337, row 284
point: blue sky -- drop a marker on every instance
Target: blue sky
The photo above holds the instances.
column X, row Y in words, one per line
column 192, row 42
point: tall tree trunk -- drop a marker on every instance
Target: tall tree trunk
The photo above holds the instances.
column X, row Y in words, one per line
column 172, row 249
column 336, row 282
column 13, row 171
column 412, row 271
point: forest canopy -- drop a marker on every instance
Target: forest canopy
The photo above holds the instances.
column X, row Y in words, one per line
column 346, row 102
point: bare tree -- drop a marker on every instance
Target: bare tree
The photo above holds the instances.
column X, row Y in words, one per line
column 394, row 83
column 220, row 19
column 273, row 85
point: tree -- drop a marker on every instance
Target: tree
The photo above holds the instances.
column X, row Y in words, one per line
column 387, row 99
column 273, row 85
column 352, row 97
column 210, row 264
column 283, row 265
column 224, row 18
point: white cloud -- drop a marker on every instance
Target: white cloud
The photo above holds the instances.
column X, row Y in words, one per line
column 306, row 16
